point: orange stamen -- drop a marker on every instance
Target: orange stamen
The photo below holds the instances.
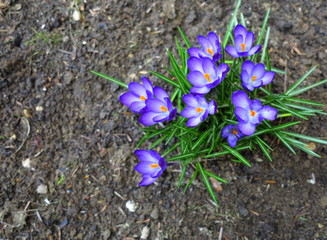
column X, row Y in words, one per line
column 253, row 113
column 235, row 132
column 253, row 78
column 209, row 50
column 198, row 109
column 207, row 76
column 164, row 109
column 243, row 47
column 143, row 98
column 155, row 165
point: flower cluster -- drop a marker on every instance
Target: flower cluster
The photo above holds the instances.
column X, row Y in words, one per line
column 205, row 73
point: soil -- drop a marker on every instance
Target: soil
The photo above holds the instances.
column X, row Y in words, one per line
column 66, row 152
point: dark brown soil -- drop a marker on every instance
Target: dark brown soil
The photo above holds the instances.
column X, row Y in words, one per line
column 66, row 142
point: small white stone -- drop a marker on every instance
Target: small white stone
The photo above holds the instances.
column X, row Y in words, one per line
column 42, row 189
column 39, row 108
column 76, row 15
column 145, row 232
column 26, row 163
column 131, row 206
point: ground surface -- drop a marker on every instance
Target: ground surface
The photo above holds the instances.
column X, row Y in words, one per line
column 66, row 152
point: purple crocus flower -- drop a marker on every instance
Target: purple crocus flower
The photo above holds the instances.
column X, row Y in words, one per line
column 232, row 133
column 138, row 93
column 254, row 76
column 250, row 112
column 204, row 74
column 151, row 166
column 210, row 47
column 243, row 41
column 158, row 109
column 197, row 109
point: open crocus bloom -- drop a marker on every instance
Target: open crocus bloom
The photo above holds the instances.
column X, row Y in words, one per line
column 243, row 41
column 151, row 166
column 210, row 47
column 158, row 109
column 232, row 133
column 250, row 112
column 255, row 76
column 138, row 93
column 204, row 74
column 197, row 109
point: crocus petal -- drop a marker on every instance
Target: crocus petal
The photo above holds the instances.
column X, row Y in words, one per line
column 147, row 118
column 195, row 64
column 269, row 113
column 246, row 128
column 248, row 66
column 268, row 77
column 197, row 79
column 256, row 105
column 147, row 155
column 212, row 107
column 245, row 77
column 193, row 122
column 209, row 66
column 249, row 41
column 257, row 83
column 128, row 98
column 189, row 112
column 172, row 114
column 146, row 168
column 240, row 99
column 225, row 131
column 238, row 40
column 258, row 70
column 137, row 89
column 202, row 102
column 205, row 43
column 222, row 71
column 148, row 85
column 248, row 87
column 213, row 38
column 240, row 30
column 241, row 114
column 155, row 105
column 190, row 100
column 254, row 50
column 138, row 106
column 232, row 51
column 200, row 90
column 160, row 93
column 160, row 117
column 232, row 140
column 196, row 52
column 147, row 180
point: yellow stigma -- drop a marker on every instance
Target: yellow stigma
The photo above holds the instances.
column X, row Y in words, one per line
column 198, row 109
column 243, row 46
column 143, row 98
column 235, row 132
column 164, row 109
column 209, row 50
column 253, row 113
column 207, row 76
column 253, row 78
column 155, row 165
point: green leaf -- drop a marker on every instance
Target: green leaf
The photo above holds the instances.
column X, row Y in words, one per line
column 120, row 83
column 201, row 139
column 278, row 71
column 207, row 183
column 263, row 28
column 231, row 24
column 304, row 89
column 265, row 46
column 298, row 82
column 275, row 128
column 181, row 156
column 181, row 177
column 262, row 145
column 305, row 137
column 185, row 39
column 172, row 148
column 210, row 174
column 168, row 80
column 222, row 153
column 301, row 146
column 195, row 173
column 303, row 101
column 236, row 154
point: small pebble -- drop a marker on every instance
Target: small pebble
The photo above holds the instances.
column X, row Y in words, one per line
column 131, row 206
column 42, row 189
column 145, row 232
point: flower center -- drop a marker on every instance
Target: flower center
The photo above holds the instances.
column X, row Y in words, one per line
column 235, row 132
column 143, row 98
column 253, row 113
column 155, row 165
column 164, row 109
column 209, row 50
column 198, row 109
column 253, row 78
column 207, row 76
column 242, row 45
